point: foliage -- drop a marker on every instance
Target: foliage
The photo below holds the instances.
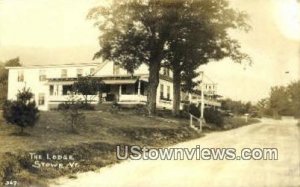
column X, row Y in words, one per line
column 213, row 116
column 134, row 32
column 194, row 110
column 142, row 109
column 72, row 113
column 22, row 112
column 4, row 77
column 283, row 100
column 115, row 108
column 81, row 105
column 263, row 107
column 236, row 107
column 235, row 122
column 177, row 34
column 88, row 87
column 210, row 115
column 294, row 97
column 279, row 100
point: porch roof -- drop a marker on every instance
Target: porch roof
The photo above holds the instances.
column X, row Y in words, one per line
column 105, row 80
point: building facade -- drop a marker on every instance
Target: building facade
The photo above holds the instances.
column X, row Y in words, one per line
column 52, row 84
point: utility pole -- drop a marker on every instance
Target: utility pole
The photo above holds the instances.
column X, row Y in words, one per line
column 202, row 101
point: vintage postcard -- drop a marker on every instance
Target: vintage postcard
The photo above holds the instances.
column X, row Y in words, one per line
column 150, row 93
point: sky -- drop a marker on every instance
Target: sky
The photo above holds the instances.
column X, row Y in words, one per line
column 56, row 31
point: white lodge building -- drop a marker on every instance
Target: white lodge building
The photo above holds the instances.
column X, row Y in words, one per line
column 51, row 84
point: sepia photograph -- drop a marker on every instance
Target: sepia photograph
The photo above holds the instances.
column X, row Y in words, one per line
column 150, row 93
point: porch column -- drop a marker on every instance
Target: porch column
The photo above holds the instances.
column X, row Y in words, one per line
column 60, row 89
column 120, row 91
column 139, row 91
column 139, row 88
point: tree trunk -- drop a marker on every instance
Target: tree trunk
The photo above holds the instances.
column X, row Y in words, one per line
column 176, row 91
column 154, row 68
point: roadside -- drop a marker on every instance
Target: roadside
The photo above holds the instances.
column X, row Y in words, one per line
column 283, row 171
column 94, row 147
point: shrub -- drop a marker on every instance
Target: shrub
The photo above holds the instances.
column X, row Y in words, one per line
column 210, row 115
column 194, row 110
column 115, row 107
column 141, row 109
column 190, row 109
column 80, row 105
column 22, row 112
column 71, row 111
column 213, row 116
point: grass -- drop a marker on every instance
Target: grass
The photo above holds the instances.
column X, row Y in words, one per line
column 235, row 122
column 92, row 148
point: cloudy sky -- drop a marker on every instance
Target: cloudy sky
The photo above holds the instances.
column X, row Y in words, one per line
column 56, row 31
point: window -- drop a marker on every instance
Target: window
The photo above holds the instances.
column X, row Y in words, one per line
column 124, row 89
column 42, row 76
column 51, row 88
column 20, row 76
column 161, row 91
column 168, row 92
column 41, row 100
column 67, row 89
column 64, row 73
column 116, row 69
column 166, row 71
column 92, row 70
column 79, row 72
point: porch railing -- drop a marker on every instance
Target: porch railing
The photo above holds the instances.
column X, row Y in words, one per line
column 133, row 98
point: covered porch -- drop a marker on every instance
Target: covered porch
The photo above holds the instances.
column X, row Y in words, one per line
column 125, row 91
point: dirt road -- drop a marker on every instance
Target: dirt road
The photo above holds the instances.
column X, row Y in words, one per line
column 283, row 135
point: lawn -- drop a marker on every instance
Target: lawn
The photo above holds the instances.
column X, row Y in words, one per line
column 93, row 147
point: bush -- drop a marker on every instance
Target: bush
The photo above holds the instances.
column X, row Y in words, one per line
column 194, row 110
column 190, row 109
column 80, row 106
column 213, row 116
column 22, row 112
column 115, row 107
column 141, row 109
column 71, row 110
column 210, row 115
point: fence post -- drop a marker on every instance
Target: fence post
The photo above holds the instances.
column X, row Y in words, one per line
column 201, row 123
column 191, row 120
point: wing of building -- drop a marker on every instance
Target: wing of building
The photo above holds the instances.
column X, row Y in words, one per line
column 52, row 84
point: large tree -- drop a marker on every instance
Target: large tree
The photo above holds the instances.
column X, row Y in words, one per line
column 153, row 31
column 135, row 32
column 279, row 101
column 202, row 36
